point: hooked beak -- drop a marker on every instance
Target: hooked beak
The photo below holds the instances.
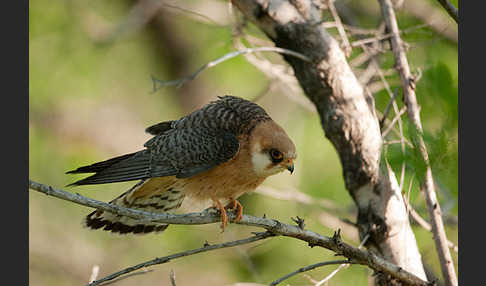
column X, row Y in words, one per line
column 290, row 166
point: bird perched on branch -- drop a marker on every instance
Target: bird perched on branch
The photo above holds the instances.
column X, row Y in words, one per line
column 219, row 152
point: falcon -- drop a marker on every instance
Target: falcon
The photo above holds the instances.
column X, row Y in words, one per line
column 218, row 153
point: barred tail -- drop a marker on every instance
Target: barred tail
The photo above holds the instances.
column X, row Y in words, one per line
column 152, row 195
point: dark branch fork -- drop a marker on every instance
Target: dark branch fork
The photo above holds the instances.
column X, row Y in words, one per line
column 273, row 227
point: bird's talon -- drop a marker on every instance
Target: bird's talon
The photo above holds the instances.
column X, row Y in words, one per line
column 235, row 205
column 224, row 216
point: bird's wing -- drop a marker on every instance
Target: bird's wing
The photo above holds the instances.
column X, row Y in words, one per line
column 160, row 128
column 176, row 152
column 189, row 151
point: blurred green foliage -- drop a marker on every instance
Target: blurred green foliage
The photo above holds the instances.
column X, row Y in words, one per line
column 90, row 101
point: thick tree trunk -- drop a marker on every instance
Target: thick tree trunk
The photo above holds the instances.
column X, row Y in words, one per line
column 349, row 121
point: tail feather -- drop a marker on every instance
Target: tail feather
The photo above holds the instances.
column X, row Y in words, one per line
column 152, row 195
column 121, row 228
column 129, row 167
column 96, row 167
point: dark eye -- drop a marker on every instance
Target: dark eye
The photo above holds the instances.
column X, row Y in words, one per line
column 276, row 155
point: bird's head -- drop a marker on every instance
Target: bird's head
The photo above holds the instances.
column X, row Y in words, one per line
column 272, row 151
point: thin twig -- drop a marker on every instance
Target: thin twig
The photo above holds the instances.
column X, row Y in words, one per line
column 165, row 259
column 299, row 197
column 395, row 119
column 145, row 271
column 397, row 133
column 360, row 31
column 172, row 278
column 423, row 223
column 365, row 239
column 188, row 11
column 345, row 45
column 291, row 87
column 394, row 104
column 308, row 268
column 370, row 40
column 267, row 90
column 426, row 182
column 334, row 243
column 308, row 277
column 450, row 9
column 374, row 62
column 180, row 82
column 94, row 273
column 388, row 107
column 379, row 37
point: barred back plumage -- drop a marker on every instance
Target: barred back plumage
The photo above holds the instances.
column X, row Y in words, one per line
column 180, row 149
column 185, row 147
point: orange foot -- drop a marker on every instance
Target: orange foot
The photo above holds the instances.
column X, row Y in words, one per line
column 224, row 217
column 235, row 205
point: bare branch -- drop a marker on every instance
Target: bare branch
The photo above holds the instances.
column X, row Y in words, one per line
column 94, row 273
column 423, row 223
column 387, row 109
column 379, row 37
column 365, row 239
column 450, row 9
column 427, row 183
column 329, row 218
column 141, row 272
column 297, row 196
column 180, row 82
column 273, row 227
column 392, row 123
column 165, row 259
column 274, row 71
column 172, row 278
column 345, row 44
column 308, row 268
column 189, row 11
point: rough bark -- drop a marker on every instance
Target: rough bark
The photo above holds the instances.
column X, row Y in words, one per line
column 273, row 227
column 426, row 179
column 349, row 121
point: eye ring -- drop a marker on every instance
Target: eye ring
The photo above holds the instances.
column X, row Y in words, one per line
column 276, row 155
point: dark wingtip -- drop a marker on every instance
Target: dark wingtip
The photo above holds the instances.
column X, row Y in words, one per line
column 85, row 181
column 77, row 183
column 159, row 128
column 74, row 184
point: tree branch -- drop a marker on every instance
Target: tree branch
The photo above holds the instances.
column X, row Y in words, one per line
column 424, row 224
column 165, row 259
column 345, row 44
column 273, row 226
column 342, row 265
column 179, row 82
column 309, row 268
column 349, row 121
column 450, row 9
column 426, row 181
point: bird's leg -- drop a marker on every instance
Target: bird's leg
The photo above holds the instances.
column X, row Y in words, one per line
column 224, row 217
column 235, row 205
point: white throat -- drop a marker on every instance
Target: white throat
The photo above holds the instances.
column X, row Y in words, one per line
column 262, row 164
